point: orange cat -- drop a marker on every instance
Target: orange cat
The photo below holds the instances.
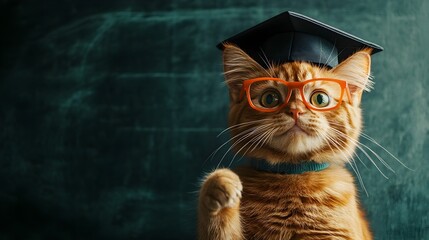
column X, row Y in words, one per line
column 318, row 123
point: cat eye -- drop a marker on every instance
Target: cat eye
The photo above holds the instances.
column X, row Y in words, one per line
column 270, row 99
column 268, row 94
column 319, row 99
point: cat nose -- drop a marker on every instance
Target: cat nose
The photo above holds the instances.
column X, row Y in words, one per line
column 296, row 108
column 295, row 113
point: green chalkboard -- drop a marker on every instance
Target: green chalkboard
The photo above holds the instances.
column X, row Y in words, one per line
column 109, row 109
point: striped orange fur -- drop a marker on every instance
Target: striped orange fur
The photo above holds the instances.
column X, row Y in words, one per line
column 250, row 204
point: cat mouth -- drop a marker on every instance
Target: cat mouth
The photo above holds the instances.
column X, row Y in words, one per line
column 295, row 129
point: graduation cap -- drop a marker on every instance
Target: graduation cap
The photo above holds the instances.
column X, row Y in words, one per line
column 291, row 36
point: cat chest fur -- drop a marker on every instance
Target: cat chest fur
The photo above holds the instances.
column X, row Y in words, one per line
column 313, row 205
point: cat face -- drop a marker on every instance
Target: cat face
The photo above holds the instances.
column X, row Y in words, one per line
column 295, row 130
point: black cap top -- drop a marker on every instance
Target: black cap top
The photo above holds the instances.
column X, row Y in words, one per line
column 291, row 36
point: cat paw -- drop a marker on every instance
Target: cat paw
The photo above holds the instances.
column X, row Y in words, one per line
column 221, row 189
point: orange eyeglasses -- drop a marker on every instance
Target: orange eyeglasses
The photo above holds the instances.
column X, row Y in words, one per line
column 266, row 94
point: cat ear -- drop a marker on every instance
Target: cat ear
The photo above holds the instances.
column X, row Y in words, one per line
column 238, row 66
column 356, row 71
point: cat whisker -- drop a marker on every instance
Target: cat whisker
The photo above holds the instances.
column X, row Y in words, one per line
column 351, row 162
column 330, row 54
column 240, row 125
column 231, row 139
column 365, row 146
column 360, row 160
column 359, row 176
column 253, row 141
column 267, row 138
column 245, row 124
column 354, row 153
column 372, row 140
column 354, row 168
column 340, row 148
column 263, row 140
column 350, row 153
column 357, row 144
column 242, row 138
column 321, row 50
column 366, row 136
column 255, row 130
column 333, row 59
column 266, row 61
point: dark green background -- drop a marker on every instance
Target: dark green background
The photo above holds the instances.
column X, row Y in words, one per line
column 108, row 110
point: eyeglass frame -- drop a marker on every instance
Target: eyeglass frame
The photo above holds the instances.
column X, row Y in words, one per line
column 290, row 86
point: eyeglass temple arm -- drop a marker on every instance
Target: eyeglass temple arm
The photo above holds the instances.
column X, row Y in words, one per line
column 242, row 92
column 348, row 93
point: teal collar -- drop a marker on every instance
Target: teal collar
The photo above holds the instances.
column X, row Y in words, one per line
column 288, row 168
